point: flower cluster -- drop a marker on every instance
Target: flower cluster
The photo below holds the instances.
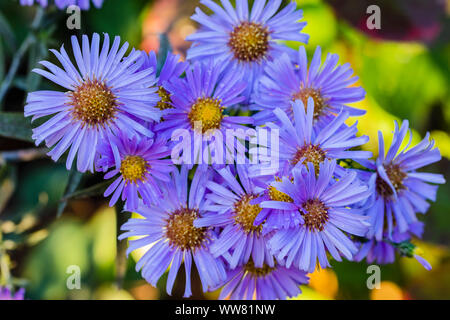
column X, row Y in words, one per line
column 254, row 232
column 62, row 4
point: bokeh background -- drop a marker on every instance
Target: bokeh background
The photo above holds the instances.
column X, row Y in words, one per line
column 404, row 68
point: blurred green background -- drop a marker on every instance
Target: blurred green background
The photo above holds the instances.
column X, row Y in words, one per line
column 404, row 68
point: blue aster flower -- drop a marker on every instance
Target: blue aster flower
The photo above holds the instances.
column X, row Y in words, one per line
column 172, row 68
column 400, row 191
column 300, row 143
column 266, row 283
column 6, row 294
column 62, row 4
column 167, row 227
column 199, row 103
column 104, row 95
column 229, row 207
column 330, row 85
column 138, row 165
column 325, row 205
column 246, row 38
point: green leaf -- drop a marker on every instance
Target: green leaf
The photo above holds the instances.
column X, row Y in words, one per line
column 14, row 125
column 164, row 49
column 7, row 33
column 121, row 257
column 72, row 185
column 95, row 190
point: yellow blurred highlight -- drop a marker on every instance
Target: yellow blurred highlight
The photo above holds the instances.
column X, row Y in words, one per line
column 434, row 254
column 324, row 282
column 109, row 292
column 145, row 291
column 388, row 291
column 309, row 294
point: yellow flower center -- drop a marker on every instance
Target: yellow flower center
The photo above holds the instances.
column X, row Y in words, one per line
column 207, row 111
column 180, row 230
column 165, row 102
column 276, row 195
column 319, row 102
column 134, row 168
column 249, row 41
column 93, row 103
column 246, row 213
column 316, row 214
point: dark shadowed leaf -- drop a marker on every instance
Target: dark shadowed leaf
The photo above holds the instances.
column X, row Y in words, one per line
column 14, row 125
column 72, row 185
column 95, row 190
column 164, row 48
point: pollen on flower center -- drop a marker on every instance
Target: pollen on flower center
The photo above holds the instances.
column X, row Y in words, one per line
column 257, row 272
column 311, row 153
column 319, row 102
column 180, row 230
column 315, row 214
column 276, row 195
column 93, row 103
column 165, row 102
column 246, row 213
column 207, row 111
column 249, row 41
column 395, row 175
column 133, row 168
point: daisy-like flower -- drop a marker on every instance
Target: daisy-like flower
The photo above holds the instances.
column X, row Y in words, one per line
column 329, row 85
column 104, row 96
column 6, row 294
column 300, row 143
column 266, row 283
column 168, row 229
column 199, row 103
column 246, row 38
column 171, row 69
column 230, row 207
column 400, row 191
column 138, row 164
column 325, row 205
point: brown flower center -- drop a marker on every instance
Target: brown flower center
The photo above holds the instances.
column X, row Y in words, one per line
column 93, row 103
column 316, row 214
column 208, row 112
column 258, row 272
column 246, row 213
column 311, row 153
column 134, row 168
column 395, row 175
column 181, row 232
column 319, row 102
column 249, row 41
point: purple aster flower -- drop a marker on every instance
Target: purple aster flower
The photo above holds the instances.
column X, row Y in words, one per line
column 171, row 69
column 266, row 283
column 42, row 3
column 246, row 38
column 138, row 166
column 325, row 205
column 300, row 143
column 83, row 4
column 399, row 190
column 329, row 85
column 168, row 226
column 104, row 97
column 229, row 207
column 199, row 101
column 6, row 294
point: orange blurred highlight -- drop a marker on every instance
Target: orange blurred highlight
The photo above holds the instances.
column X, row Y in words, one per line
column 388, row 291
column 325, row 282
